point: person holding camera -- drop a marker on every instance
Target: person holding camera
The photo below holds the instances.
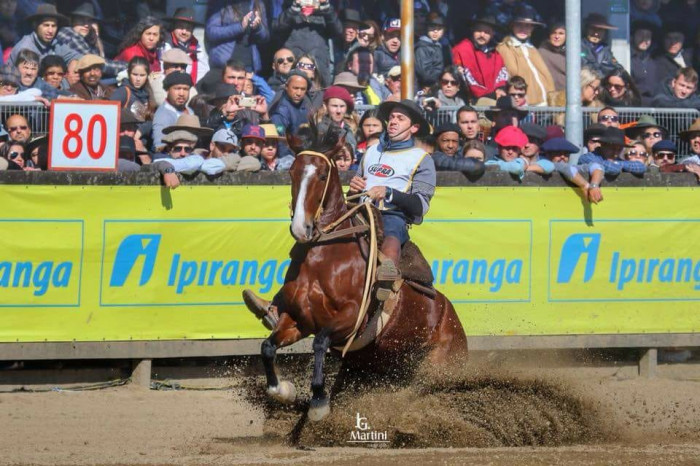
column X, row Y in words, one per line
column 308, row 24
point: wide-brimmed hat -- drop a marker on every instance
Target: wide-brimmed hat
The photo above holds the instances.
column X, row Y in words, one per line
column 644, row 122
column 88, row 61
column 35, row 142
column 505, row 103
column 337, row 92
column 489, row 20
column 559, row 144
column 694, row 128
column 599, row 21
column 348, row 80
column 86, row 10
column 526, row 14
column 593, row 130
column 184, row 15
column 413, row 110
column 222, row 92
column 271, row 131
column 176, row 56
column 435, row 19
column 187, row 123
column 47, row 10
column 613, row 135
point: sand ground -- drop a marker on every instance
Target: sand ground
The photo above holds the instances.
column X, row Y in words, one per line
column 658, row 420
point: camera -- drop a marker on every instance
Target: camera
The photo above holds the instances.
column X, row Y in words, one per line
column 430, row 103
column 247, row 102
column 312, row 3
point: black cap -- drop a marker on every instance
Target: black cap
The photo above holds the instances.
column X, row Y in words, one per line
column 534, row 130
column 446, row 128
column 176, row 78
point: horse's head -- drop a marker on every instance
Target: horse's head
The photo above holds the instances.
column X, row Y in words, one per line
column 315, row 180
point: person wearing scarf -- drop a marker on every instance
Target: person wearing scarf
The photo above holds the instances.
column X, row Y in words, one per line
column 182, row 24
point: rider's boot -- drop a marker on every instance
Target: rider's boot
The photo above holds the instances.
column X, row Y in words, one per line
column 387, row 274
column 263, row 310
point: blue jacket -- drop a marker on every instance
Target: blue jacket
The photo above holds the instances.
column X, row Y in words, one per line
column 287, row 116
column 222, row 34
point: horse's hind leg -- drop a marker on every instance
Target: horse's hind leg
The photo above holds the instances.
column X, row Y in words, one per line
column 284, row 334
column 449, row 343
column 319, row 406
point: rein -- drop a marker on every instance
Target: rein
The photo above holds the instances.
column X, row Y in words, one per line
column 326, row 234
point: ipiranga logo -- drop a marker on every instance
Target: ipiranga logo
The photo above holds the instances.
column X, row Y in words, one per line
column 180, row 264
column 624, row 260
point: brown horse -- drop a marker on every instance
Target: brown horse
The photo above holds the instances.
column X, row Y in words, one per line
column 323, row 289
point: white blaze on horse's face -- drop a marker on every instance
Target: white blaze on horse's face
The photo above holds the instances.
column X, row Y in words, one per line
column 302, row 222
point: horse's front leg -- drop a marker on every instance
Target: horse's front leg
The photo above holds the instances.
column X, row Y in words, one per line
column 285, row 334
column 319, row 406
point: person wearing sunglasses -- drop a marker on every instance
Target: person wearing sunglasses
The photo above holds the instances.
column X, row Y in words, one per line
column 18, row 128
column 449, row 91
column 178, row 154
column 619, row 90
column 282, row 64
column 608, row 116
column 607, row 154
column 663, row 154
column 637, row 152
column 647, row 130
column 13, row 152
column 307, row 65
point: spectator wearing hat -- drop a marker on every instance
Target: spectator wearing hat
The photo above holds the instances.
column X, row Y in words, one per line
column 648, row 130
column 692, row 137
column 42, row 40
column 174, row 60
column 505, row 11
column 348, row 81
column 643, row 66
column 181, row 37
column 607, row 155
column 271, row 158
column 82, row 38
column 282, row 63
column 386, row 55
column 521, row 58
column 89, row 87
column 392, row 82
column 293, row 107
column 510, row 142
column 663, row 154
column 637, row 151
column 553, row 51
column 351, row 21
column 145, row 40
column 448, row 157
column 234, row 31
column 536, row 135
column 177, row 87
column 558, row 150
column 360, row 62
column 478, row 61
column 505, row 113
column 308, row 29
column 224, row 155
column 680, row 92
column 596, row 54
column 178, row 156
column 252, row 141
column 406, row 190
column 338, row 107
column 430, row 56
column 36, row 152
column 674, row 55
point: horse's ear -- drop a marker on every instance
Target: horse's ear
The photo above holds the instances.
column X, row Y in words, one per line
column 337, row 148
column 294, row 143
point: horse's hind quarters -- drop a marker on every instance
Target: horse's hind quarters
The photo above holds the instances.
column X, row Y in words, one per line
column 319, row 409
column 285, row 392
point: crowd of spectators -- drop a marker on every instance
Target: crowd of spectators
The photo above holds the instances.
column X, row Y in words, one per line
column 222, row 95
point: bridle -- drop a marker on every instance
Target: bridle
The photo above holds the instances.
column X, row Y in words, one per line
column 331, row 165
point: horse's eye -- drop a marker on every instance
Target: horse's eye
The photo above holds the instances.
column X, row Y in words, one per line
column 323, row 177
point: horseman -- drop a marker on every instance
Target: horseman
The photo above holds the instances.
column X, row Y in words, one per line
column 396, row 176
column 399, row 178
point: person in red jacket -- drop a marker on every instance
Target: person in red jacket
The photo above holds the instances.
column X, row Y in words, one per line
column 143, row 40
column 476, row 58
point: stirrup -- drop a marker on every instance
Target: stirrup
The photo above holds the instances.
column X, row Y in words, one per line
column 388, row 272
column 261, row 308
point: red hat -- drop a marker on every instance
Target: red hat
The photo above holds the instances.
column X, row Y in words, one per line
column 511, row 136
column 337, row 92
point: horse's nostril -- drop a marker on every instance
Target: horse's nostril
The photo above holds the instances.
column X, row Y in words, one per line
column 309, row 231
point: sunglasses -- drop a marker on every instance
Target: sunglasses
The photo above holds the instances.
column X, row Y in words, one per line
column 665, row 155
column 634, row 153
column 306, row 66
column 16, row 155
column 519, row 95
column 596, row 140
column 617, row 87
column 55, row 73
column 18, row 128
column 185, row 149
column 655, row 134
column 281, row 60
column 613, row 118
column 449, row 82
column 365, row 35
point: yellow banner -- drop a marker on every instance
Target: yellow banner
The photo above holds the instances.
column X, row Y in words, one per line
column 94, row 263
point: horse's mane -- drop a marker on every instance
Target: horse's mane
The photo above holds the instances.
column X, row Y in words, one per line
column 322, row 137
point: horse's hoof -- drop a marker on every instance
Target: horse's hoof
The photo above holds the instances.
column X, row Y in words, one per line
column 285, row 392
column 319, row 409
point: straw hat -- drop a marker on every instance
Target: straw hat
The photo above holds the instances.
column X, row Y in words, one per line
column 186, row 128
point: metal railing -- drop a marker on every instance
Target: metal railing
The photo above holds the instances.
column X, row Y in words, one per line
column 36, row 113
column 674, row 120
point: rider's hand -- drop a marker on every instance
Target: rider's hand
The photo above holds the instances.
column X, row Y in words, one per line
column 357, row 184
column 377, row 193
